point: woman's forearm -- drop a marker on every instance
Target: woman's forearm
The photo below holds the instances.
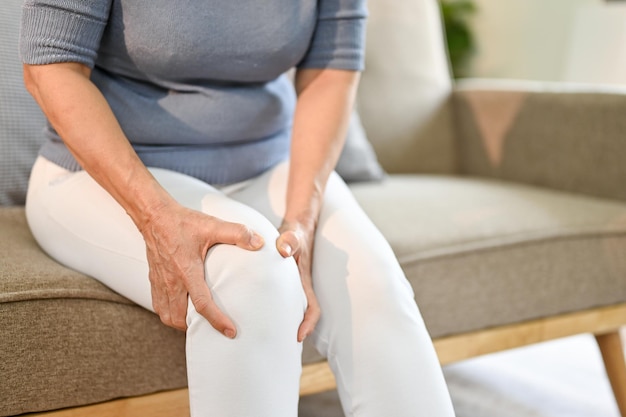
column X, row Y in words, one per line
column 325, row 100
column 82, row 117
column 177, row 238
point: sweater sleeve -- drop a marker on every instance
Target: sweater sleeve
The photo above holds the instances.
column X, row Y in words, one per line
column 56, row 31
column 339, row 38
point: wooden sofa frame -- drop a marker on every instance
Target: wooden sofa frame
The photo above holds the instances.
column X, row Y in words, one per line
column 604, row 323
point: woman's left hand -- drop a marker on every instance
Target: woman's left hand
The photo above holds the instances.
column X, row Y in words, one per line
column 296, row 239
column 320, row 123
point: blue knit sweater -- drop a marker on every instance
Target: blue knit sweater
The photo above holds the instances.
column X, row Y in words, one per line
column 198, row 86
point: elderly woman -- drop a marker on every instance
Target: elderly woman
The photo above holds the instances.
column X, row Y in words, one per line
column 186, row 171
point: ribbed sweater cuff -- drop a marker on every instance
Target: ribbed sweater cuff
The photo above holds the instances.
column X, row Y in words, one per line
column 51, row 35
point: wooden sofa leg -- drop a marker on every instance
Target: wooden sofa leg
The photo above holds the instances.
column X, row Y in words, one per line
column 613, row 355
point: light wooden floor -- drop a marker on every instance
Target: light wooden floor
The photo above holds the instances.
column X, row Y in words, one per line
column 163, row 404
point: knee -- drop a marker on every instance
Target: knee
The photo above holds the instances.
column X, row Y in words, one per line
column 244, row 276
column 262, row 274
column 259, row 290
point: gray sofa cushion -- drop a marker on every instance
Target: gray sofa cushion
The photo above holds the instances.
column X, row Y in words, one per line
column 482, row 253
column 67, row 340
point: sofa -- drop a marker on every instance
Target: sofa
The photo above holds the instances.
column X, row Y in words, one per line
column 505, row 202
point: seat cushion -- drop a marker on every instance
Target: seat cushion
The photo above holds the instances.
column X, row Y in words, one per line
column 67, row 340
column 482, row 253
column 478, row 254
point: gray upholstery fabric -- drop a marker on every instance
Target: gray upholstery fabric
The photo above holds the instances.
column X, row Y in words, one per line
column 26, row 273
column 560, row 136
column 516, row 283
column 482, row 253
column 21, row 121
column 68, row 340
column 64, row 352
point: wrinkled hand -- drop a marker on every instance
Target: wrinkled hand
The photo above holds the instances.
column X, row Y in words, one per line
column 177, row 240
column 296, row 240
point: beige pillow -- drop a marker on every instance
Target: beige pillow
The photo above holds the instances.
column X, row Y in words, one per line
column 404, row 94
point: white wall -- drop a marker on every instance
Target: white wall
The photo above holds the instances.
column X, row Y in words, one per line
column 530, row 39
column 597, row 52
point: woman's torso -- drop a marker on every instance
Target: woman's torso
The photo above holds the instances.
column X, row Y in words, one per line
column 199, row 86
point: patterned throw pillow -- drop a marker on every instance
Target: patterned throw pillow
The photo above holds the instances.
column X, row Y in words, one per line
column 21, row 121
column 358, row 161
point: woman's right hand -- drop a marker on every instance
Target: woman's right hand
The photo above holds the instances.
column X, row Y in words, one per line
column 177, row 240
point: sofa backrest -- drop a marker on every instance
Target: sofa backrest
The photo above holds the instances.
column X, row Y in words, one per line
column 404, row 97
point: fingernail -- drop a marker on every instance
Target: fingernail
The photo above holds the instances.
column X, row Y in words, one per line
column 286, row 248
column 229, row 333
column 256, row 241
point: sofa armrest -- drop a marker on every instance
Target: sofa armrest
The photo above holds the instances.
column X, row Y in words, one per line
column 570, row 137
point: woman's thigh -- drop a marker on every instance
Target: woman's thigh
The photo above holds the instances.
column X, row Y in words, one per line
column 80, row 225
column 348, row 246
column 370, row 328
column 355, row 272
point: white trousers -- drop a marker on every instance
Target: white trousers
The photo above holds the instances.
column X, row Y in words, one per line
column 370, row 330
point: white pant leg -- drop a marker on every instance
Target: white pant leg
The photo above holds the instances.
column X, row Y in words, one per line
column 262, row 294
column 255, row 375
column 371, row 330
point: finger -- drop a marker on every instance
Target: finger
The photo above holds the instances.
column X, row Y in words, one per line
column 287, row 243
column 206, row 307
column 169, row 306
column 159, row 299
column 178, row 308
column 237, row 234
column 313, row 312
column 311, row 317
column 204, row 304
